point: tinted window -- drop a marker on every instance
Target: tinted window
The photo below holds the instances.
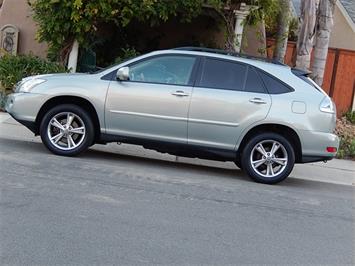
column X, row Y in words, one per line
column 175, row 70
column 222, row 75
column 273, row 85
column 254, row 82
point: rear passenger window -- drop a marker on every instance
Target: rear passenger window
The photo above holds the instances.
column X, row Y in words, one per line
column 222, row 74
column 254, row 82
column 273, row 85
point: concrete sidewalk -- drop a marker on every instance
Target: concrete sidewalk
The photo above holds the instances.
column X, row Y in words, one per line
column 335, row 171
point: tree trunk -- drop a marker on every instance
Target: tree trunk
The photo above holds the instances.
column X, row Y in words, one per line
column 283, row 21
column 73, row 57
column 324, row 28
column 306, row 33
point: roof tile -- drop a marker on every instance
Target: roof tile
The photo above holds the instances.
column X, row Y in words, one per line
column 349, row 6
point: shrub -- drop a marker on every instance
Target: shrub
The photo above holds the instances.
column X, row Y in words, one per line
column 350, row 116
column 14, row 68
column 346, row 132
column 125, row 54
column 2, row 100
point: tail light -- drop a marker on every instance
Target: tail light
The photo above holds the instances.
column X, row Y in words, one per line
column 331, row 149
column 327, row 105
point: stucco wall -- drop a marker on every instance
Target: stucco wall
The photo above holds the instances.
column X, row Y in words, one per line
column 17, row 12
column 342, row 35
column 254, row 40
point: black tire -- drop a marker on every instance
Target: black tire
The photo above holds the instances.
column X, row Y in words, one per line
column 268, row 139
column 86, row 141
column 238, row 163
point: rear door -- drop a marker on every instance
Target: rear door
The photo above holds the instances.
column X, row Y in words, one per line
column 228, row 97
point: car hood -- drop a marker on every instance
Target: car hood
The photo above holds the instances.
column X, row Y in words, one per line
column 58, row 75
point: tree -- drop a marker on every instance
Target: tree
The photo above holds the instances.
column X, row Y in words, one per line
column 324, row 28
column 62, row 22
column 283, row 22
column 306, row 33
column 225, row 9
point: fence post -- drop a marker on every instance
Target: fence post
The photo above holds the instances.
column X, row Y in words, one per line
column 334, row 73
column 353, row 105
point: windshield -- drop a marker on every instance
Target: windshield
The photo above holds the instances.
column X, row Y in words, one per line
column 102, row 69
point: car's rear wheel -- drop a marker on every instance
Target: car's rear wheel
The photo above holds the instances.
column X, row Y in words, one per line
column 268, row 158
column 67, row 129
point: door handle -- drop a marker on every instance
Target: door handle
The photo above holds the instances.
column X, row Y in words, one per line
column 180, row 93
column 257, row 101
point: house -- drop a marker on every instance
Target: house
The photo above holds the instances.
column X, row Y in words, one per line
column 18, row 13
column 343, row 32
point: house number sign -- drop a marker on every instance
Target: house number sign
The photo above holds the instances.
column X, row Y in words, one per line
column 9, row 39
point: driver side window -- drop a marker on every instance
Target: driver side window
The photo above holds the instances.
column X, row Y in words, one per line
column 171, row 69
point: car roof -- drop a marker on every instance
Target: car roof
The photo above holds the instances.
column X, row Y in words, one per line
column 260, row 62
column 276, row 69
column 226, row 52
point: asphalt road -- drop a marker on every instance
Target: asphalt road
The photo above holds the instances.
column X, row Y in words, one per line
column 113, row 208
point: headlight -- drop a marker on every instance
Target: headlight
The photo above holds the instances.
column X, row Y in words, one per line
column 29, row 84
column 327, row 105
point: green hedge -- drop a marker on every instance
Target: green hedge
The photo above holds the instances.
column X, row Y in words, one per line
column 14, row 68
column 346, row 132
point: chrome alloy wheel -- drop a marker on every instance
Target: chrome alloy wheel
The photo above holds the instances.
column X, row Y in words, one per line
column 269, row 158
column 66, row 131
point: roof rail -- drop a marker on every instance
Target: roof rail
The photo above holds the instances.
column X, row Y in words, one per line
column 225, row 52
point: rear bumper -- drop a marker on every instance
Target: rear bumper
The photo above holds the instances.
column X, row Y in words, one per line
column 312, row 159
column 314, row 145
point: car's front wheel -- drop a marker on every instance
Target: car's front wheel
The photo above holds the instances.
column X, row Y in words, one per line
column 268, row 158
column 67, row 129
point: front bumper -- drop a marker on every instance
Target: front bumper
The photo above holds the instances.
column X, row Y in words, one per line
column 314, row 145
column 24, row 108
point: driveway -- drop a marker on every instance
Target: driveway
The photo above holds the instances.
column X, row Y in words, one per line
column 119, row 204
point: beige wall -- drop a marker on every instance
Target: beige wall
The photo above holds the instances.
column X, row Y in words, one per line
column 18, row 13
column 254, row 40
column 342, row 36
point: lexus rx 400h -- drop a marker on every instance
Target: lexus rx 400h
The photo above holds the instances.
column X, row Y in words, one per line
column 190, row 102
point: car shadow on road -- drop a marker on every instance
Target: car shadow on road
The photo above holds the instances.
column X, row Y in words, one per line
column 166, row 165
column 203, row 169
column 37, row 149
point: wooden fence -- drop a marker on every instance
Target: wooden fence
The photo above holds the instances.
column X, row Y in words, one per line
column 339, row 75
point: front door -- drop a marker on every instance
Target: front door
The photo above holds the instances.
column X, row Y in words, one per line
column 154, row 102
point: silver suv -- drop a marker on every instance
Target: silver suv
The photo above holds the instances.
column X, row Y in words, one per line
column 191, row 102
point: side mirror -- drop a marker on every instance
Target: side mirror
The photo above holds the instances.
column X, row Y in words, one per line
column 123, row 73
